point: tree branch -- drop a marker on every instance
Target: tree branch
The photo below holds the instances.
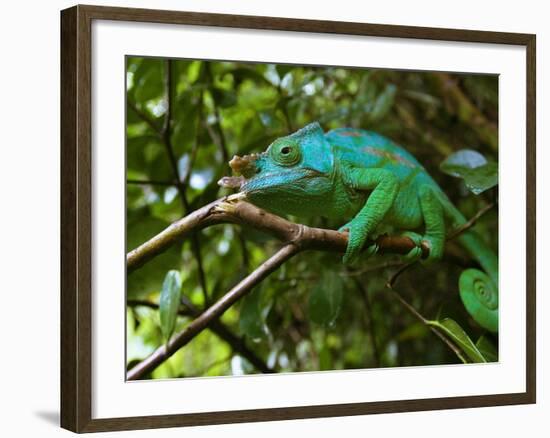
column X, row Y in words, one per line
column 467, row 225
column 433, row 329
column 220, row 140
column 220, row 329
column 234, row 210
column 145, row 117
column 213, row 312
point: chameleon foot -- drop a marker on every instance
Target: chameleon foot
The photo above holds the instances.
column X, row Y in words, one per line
column 435, row 248
column 356, row 241
column 415, row 253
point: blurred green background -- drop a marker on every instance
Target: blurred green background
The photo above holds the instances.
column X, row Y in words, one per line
column 186, row 119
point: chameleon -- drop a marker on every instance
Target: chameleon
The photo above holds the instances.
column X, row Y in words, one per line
column 371, row 185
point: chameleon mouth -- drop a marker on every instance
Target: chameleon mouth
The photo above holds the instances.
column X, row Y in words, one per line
column 249, row 177
column 267, row 181
column 232, row 182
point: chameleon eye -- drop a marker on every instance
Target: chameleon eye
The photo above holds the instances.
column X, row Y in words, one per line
column 285, row 154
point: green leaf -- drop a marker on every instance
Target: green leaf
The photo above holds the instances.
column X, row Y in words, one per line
column 252, row 315
column 487, row 349
column 464, row 158
column 325, row 299
column 459, row 337
column 478, row 173
column 481, row 178
column 170, row 295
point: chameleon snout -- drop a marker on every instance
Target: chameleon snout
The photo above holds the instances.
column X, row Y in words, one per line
column 244, row 168
column 245, row 165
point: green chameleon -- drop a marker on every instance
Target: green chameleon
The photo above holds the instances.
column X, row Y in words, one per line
column 360, row 175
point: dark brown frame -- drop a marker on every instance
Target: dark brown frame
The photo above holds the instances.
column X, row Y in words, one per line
column 76, row 173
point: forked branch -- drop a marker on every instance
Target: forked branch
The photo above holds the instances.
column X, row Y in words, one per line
column 234, row 210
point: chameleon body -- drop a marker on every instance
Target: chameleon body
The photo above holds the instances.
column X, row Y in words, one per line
column 373, row 186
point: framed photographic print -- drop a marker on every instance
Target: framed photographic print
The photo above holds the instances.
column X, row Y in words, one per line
column 268, row 218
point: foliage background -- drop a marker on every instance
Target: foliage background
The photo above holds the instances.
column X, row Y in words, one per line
column 313, row 313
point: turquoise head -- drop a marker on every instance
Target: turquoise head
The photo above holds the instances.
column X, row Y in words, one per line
column 293, row 176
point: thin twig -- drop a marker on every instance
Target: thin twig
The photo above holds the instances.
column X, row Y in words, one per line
column 471, row 222
column 398, row 273
column 417, row 315
column 220, row 140
column 245, row 258
column 167, row 139
column 223, row 143
column 192, row 157
column 145, row 117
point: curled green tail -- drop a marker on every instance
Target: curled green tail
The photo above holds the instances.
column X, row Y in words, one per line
column 478, row 289
column 480, row 297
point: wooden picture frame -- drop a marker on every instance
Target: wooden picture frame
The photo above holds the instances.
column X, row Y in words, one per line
column 76, row 217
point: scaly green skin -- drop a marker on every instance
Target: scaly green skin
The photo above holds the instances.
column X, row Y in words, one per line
column 351, row 173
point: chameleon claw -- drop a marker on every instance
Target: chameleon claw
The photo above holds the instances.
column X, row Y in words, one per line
column 356, row 242
column 435, row 250
column 415, row 253
column 371, row 250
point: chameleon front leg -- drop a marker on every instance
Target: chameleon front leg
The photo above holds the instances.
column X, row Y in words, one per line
column 385, row 186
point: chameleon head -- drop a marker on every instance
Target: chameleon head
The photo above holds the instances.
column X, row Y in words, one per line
column 292, row 176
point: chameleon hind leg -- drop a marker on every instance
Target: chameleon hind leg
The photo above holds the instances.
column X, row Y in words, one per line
column 384, row 185
column 434, row 224
column 432, row 210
